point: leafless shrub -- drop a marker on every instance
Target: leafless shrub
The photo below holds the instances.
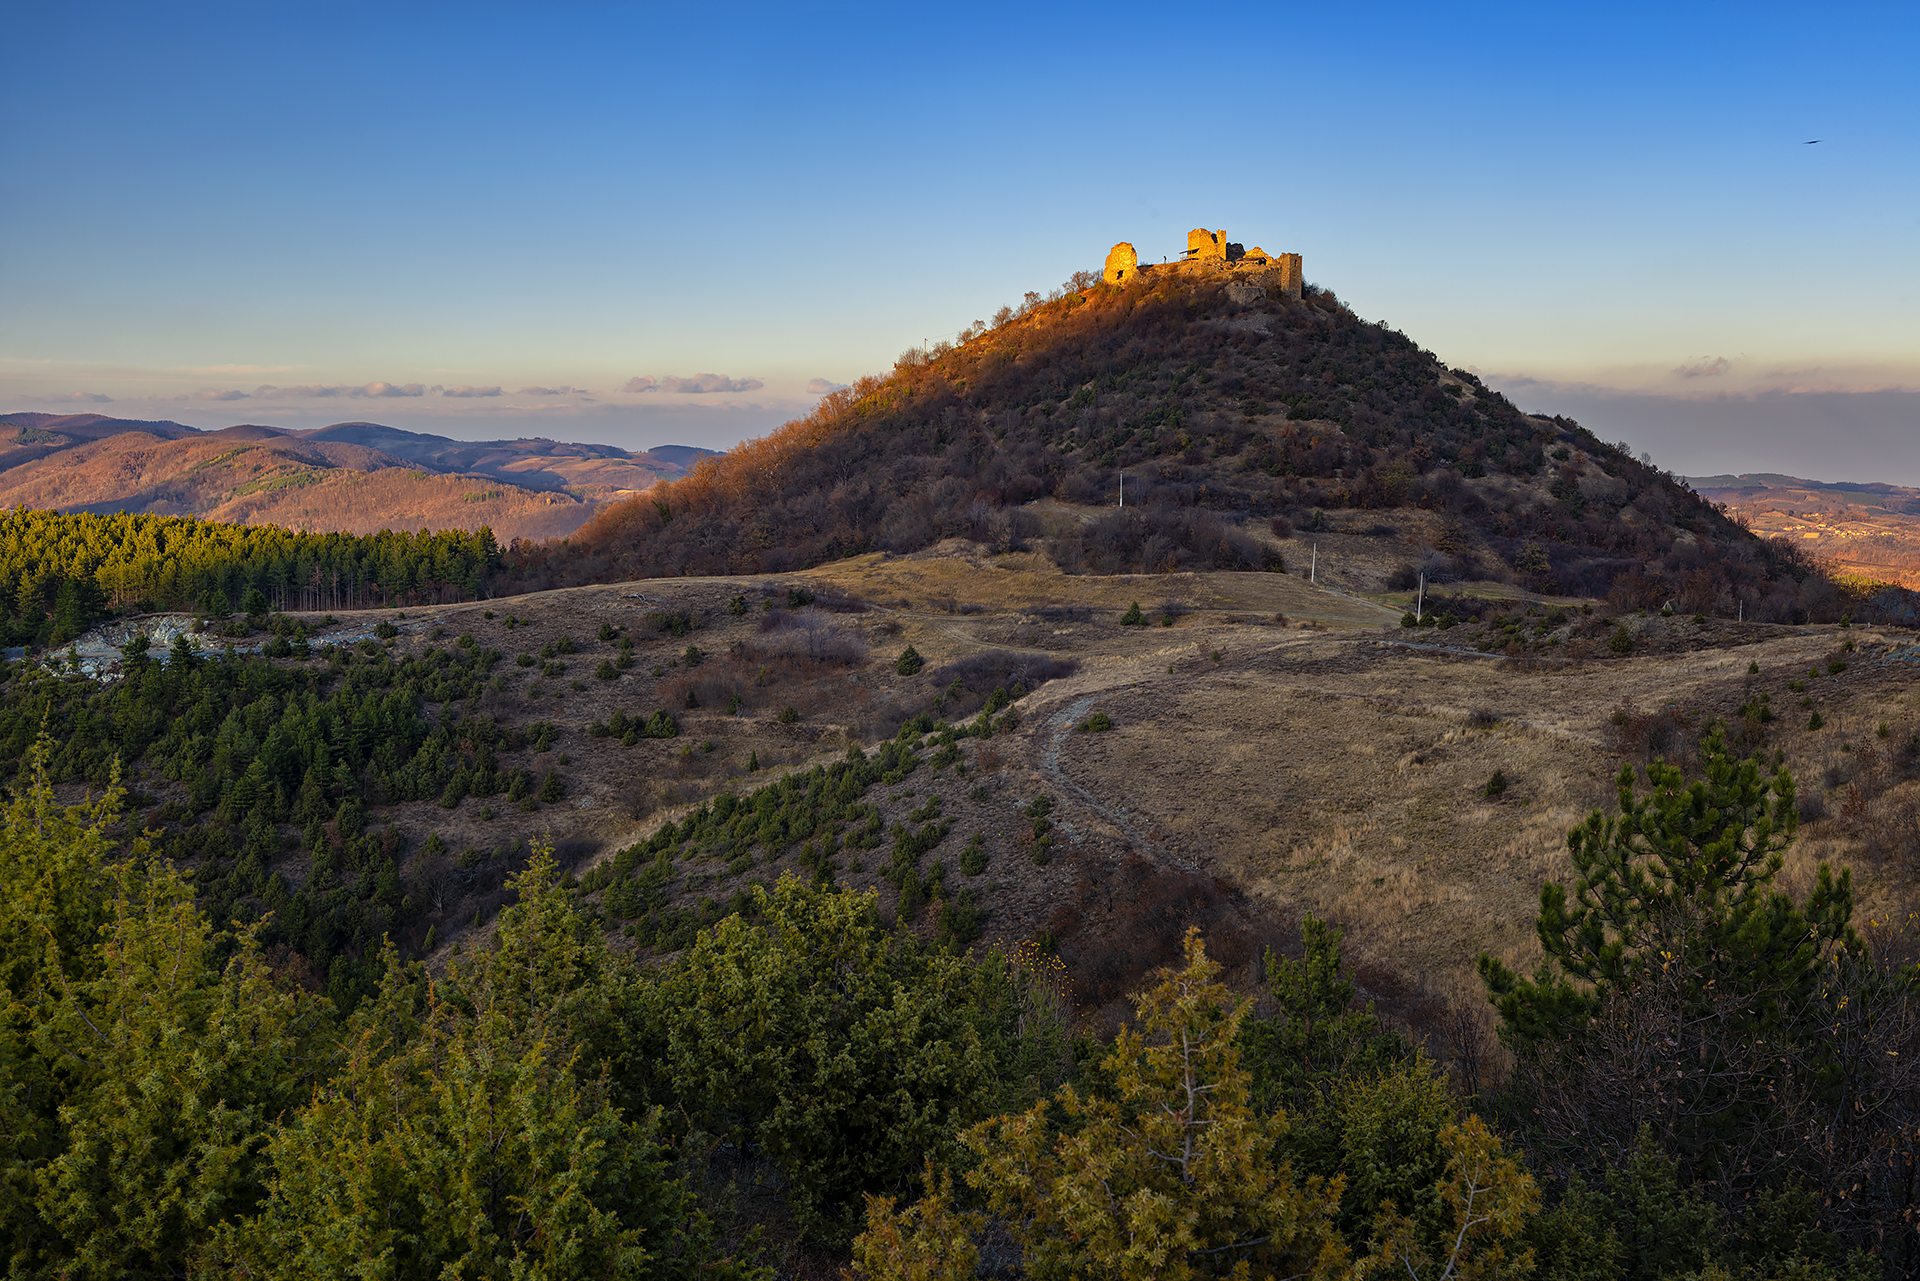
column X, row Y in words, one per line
column 572, row 851
column 811, row 634
column 882, row 718
column 1667, row 734
column 978, row 675
column 711, row 686
column 639, row 798
column 1466, row 1028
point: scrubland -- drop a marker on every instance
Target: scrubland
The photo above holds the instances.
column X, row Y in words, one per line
column 1276, row 749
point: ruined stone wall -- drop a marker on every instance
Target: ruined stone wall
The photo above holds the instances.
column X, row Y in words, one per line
column 1210, row 253
column 1203, row 245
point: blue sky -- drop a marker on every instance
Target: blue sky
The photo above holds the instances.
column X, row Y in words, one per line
column 301, row 214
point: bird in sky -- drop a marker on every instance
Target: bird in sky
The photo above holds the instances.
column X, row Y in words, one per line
column 1812, row 141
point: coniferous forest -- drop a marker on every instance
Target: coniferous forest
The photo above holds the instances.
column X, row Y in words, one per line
column 60, row 574
column 1708, row 1079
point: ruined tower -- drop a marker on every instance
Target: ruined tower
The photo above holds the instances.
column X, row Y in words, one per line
column 1122, row 263
column 1203, row 244
column 1289, row 268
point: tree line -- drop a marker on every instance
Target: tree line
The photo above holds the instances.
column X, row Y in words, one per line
column 59, row 574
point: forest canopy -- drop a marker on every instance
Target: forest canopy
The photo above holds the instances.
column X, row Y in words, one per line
column 59, row 574
column 173, row 1103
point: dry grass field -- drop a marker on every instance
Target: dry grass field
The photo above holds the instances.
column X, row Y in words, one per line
column 1277, row 748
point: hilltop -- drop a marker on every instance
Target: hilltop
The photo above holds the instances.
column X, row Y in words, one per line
column 354, row 477
column 1240, row 419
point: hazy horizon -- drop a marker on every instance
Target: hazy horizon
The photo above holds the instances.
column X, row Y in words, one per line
column 1821, row 436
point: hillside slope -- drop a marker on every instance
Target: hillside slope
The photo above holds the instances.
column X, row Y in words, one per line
column 349, row 477
column 1233, row 423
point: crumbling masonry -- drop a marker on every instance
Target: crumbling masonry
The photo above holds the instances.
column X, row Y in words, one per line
column 1210, row 251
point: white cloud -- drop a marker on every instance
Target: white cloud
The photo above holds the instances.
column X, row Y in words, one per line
column 468, row 392
column 1715, row 368
column 698, row 385
column 551, row 391
column 217, row 393
column 75, row 397
column 820, row 386
column 319, row 391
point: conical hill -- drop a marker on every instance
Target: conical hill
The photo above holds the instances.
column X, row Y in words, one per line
column 1234, row 418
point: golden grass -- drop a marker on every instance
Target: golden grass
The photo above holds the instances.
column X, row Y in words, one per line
column 1025, row 582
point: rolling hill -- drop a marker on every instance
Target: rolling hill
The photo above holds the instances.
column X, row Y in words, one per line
column 353, row 477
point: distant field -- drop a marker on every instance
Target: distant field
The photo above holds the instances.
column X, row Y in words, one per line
column 1866, row 530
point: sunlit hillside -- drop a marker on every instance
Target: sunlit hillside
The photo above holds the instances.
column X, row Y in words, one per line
column 351, row 477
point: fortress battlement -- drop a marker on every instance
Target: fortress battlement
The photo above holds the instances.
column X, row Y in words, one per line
column 1211, row 251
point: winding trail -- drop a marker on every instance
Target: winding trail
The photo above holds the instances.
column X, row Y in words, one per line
column 1060, row 723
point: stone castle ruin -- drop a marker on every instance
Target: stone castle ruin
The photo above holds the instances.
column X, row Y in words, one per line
column 1254, row 272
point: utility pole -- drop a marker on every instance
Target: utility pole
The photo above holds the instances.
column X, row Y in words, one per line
column 1313, row 571
column 1420, row 610
column 1123, row 490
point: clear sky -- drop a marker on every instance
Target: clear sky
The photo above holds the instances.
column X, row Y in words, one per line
column 304, row 213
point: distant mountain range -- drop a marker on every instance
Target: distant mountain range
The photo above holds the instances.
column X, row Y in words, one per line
column 355, row 477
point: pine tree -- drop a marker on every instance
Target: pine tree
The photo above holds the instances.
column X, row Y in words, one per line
column 478, row 1115
column 1317, row 1036
column 1165, row 1171
column 1699, row 857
